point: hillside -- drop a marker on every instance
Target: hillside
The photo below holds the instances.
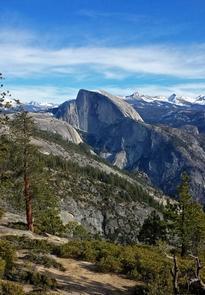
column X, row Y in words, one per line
column 104, row 199
column 161, row 152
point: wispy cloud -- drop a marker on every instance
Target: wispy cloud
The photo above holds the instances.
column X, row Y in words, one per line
column 23, row 56
column 19, row 60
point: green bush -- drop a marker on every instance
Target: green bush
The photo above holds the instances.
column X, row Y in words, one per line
column 41, row 246
column 75, row 230
column 44, row 260
column 142, row 290
column 70, row 250
column 9, row 288
column 18, row 225
column 42, row 280
column 8, row 254
column 1, row 213
column 49, row 222
column 143, row 263
column 110, row 264
column 2, row 267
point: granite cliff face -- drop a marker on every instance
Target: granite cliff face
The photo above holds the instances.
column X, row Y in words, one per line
column 46, row 122
column 93, row 111
column 117, row 133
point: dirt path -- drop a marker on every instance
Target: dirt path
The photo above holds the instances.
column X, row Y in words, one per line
column 81, row 277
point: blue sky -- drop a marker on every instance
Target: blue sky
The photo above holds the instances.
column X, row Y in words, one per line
column 50, row 49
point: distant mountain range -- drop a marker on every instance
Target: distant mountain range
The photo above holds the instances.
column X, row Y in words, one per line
column 31, row 106
column 172, row 99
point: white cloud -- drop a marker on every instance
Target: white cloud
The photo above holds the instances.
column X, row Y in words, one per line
column 20, row 56
column 26, row 55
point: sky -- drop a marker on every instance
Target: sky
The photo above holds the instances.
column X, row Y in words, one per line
column 50, row 49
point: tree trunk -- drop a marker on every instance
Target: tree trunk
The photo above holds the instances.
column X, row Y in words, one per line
column 183, row 250
column 28, row 200
column 175, row 276
column 196, row 285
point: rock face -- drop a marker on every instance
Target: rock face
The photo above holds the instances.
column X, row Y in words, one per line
column 118, row 133
column 162, row 153
column 95, row 110
column 47, row 122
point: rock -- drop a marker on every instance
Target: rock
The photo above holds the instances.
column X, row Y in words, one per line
column 47, row 122
column 94, row 110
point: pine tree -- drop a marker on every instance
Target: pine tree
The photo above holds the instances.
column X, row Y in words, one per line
column 186, row 220
column 153, row 229
column 24, row 159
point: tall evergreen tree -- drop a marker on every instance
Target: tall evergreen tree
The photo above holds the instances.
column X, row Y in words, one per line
column 153, row 229
column 186, row 220
column 22, row 128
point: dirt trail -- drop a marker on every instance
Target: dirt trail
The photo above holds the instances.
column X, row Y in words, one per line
column 81, row 277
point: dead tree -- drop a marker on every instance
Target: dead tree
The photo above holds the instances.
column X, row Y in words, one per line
column 196, row 285
column 175, row 274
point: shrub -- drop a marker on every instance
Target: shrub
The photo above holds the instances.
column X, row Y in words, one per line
column 141, row 290
column 9, row 288
column 41, row 246
column 49, row 222
column 110, row 264
column 18, row 225
column 42, row 280
column 1, row 213
column 7, row 253
column 70, row 250
column 44, row 260
column 2, row 267
column 76, row 231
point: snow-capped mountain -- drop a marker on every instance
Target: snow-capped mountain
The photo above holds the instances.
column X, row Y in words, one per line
column 31, row 106
column 172, row 99
column 200, row 99
column 147, row 98
column 34, row 106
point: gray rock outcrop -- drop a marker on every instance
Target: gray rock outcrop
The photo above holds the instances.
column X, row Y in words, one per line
column 94, row 110
column 47, row 122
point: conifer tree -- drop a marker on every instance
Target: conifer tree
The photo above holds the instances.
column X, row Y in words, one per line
column 22, row 127
column 186, row 220
column 153, row 229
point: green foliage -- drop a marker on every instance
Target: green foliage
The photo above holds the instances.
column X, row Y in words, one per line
column 1, row 213
column 9, row 288
column 44, row 260
column 137, row 262
column 76, row 231
column 8, row 254
column 153, row 229
column 186, row 221
column 128, row 191
column 39, row 246
column 29, row 275
column 42, row 280
column 49, row 221
column 2, row 267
